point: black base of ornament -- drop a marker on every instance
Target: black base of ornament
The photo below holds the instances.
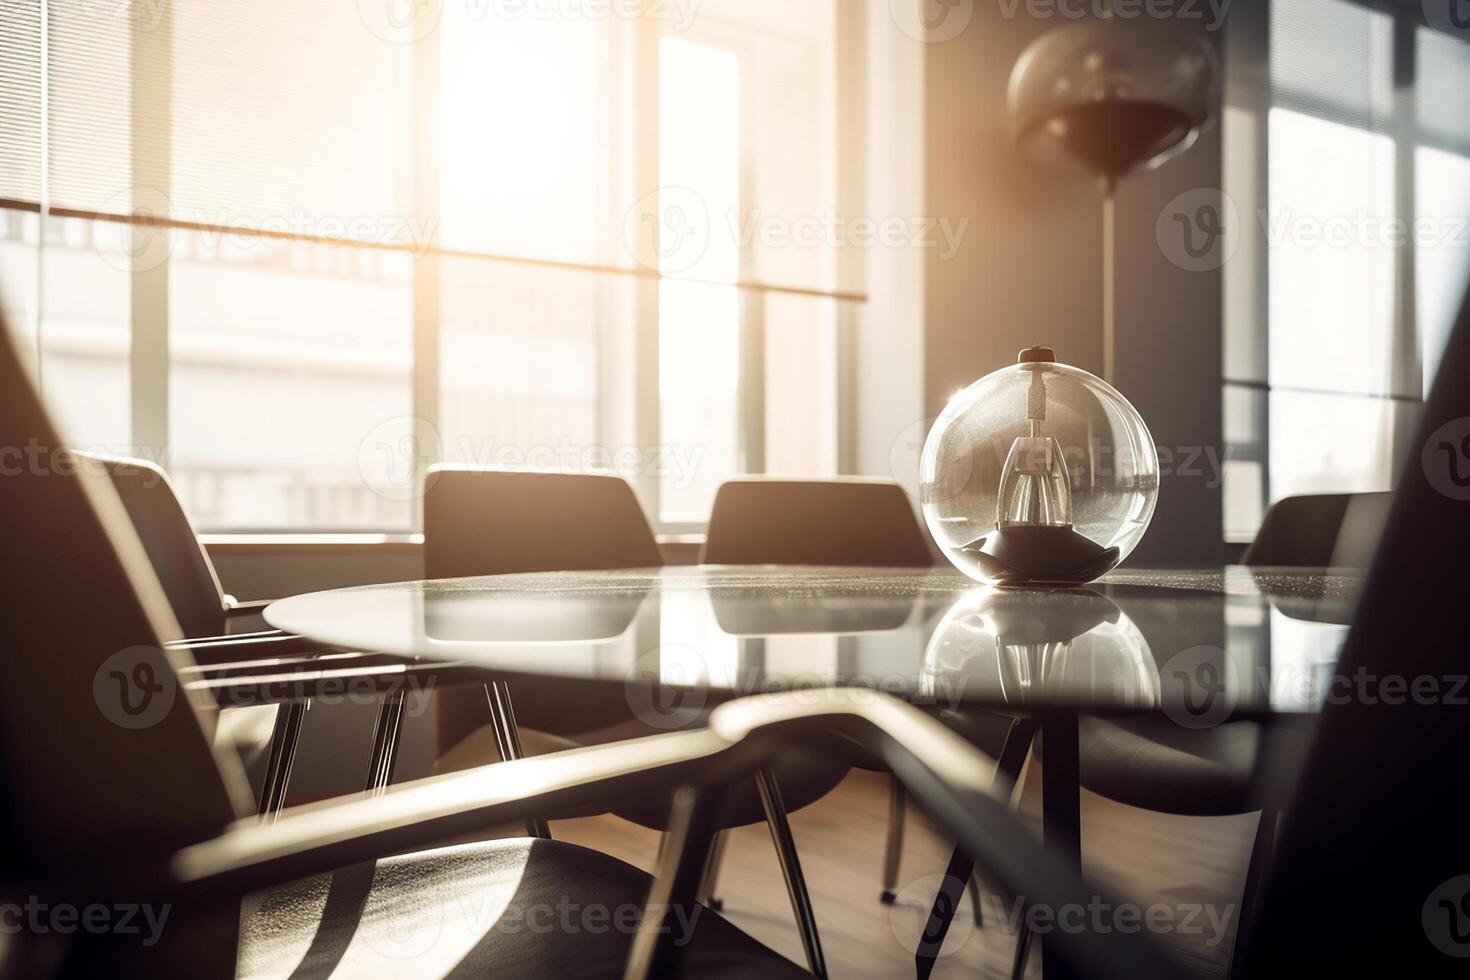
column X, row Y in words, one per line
column 1036, row 555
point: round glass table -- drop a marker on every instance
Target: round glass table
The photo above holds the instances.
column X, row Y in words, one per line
column 1196, row 645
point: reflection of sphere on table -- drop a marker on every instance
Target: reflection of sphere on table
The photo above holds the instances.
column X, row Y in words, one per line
column 1025, row 643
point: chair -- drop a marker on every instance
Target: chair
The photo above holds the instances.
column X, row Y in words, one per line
column 219, row 627
column 845, row 521
column 1381, row 781
column 850, row 521
column 497, row 522
column 1157, row 765
column 141, row 782
column 178, row 559
column 1366, row 875
column 1323, row 530
column 1154, row 764
column 490, row 522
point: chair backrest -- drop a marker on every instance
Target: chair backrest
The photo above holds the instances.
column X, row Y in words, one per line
column 178, row 559
column 497, row 522
column 1370, row 877
column 766, row 521
column 102, row 753
column 494, row 522
column 1339, row 530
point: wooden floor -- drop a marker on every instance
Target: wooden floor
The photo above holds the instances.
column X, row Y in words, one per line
column 1143, row 858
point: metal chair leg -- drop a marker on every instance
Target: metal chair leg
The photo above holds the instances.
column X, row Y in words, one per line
column 961, row 870
column 386, row 731
column 1023, row 948
column 1012, row 758
column 1013, row 753
column 285, row 736
column 894, row 850
column 668, row 911
column 710, row 879
column 801, row 900
column 508, row 742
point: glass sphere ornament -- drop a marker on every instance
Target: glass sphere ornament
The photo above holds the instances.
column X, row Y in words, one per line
column 1038, row 474
column 1113, row 95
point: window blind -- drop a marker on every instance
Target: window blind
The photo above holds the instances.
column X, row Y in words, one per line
column 1332, row 57
column 1442, row 86
column 89, row 106
column 20, row 100
column 289, row 112
column 255, row 114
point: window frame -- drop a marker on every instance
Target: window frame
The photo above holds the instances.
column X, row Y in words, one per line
column 1250, row 92
column 149, row 364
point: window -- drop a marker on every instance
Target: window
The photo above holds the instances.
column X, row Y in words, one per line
column 296, row 254
column 699, row 324
column 1331, row 306
column 1360, row 218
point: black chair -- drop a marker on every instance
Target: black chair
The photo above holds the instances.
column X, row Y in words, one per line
column 493, row 522
column 850, row 521
column 498, row 522
column 178, row 559
column 1367, row 878
column 1154, row 764
column 108, row 775
column 221, row 632
column 1321, row 530
column 847, row 521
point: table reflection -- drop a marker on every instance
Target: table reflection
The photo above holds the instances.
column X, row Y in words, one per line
column 1075, row 645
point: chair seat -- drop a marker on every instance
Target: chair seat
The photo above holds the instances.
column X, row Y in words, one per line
column 504, row 909
column 1157, row 765
column 804, row 777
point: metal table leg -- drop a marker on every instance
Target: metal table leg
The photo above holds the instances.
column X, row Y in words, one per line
column 1061, row 805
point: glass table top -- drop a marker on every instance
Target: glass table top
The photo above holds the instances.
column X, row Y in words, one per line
column 1198, row 645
